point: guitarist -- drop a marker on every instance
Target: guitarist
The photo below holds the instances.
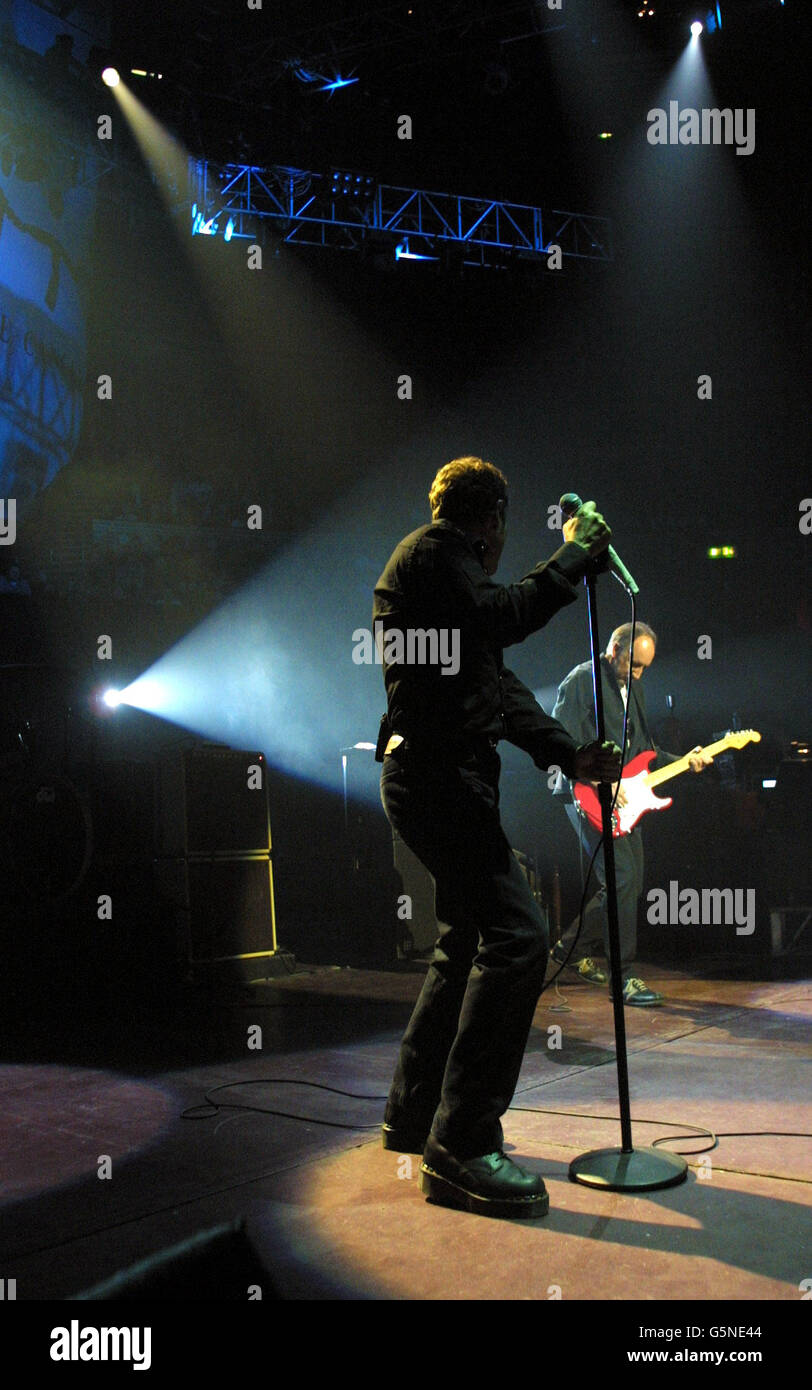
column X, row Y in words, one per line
column 575, row 709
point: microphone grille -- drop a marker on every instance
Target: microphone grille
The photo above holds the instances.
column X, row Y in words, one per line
column 570, row 503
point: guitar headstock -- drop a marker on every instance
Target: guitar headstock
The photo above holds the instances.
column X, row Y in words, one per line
column 743, row 736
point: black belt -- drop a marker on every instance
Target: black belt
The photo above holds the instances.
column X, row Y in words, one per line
column 463, row 746
column 451, row 750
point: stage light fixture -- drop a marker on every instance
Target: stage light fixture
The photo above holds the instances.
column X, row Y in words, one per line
column 112, row 698
column 110, row 77
column 403, row 253
column 202, row 226
column 338, row 82
column 349, row 184
column 696, row 29
column 229, row 231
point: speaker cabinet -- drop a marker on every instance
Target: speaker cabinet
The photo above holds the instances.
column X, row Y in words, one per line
column 224, row 908
column 214, row 858
column 421, row 930
column 213, row 800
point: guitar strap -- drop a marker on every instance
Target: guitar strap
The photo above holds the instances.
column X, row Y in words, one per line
column 662, row 754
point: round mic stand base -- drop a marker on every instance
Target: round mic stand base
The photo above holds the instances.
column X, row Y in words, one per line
column 640, row 1170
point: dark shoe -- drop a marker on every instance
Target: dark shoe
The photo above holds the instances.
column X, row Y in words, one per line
column 637, row 992
column 588, row 970
column 403, row 1140
column 585, row 967
column 492, row 1185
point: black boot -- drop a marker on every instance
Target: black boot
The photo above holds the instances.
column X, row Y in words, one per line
column 404, row 1139
column 492, row 1184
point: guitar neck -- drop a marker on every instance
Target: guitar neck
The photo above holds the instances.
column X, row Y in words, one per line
column 682, row 764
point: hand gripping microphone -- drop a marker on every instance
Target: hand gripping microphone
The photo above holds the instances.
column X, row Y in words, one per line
column 570, row 504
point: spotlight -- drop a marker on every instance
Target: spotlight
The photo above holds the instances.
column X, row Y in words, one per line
column 713, row 19
column 339, row 82
column 202, row 226
column 111, row 77
column 696, row 29
column 229, row 231
column 112, row 698
column 350, row 184
column 403, row 253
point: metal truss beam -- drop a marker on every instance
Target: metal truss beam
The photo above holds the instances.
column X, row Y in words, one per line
column 307, row 209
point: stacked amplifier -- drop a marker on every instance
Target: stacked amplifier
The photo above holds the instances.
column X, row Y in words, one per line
column 214, row 857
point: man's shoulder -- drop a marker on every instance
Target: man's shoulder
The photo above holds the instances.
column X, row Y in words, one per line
column 432, row 537
column 579, row 674
column 438, row 532
column 417, row 557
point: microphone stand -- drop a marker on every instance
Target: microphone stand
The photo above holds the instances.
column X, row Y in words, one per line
column 625, row 1169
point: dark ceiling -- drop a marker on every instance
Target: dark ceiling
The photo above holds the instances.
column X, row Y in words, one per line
column 508, row 93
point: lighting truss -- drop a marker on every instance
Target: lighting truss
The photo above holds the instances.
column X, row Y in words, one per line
column 305, row 209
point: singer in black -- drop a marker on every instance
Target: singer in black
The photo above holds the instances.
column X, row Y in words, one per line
column 460, row 1056
column 621, row 675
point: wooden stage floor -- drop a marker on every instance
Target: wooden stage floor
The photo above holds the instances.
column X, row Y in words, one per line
column 102, row 1169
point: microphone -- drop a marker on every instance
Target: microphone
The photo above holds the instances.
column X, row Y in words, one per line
column 570, row 505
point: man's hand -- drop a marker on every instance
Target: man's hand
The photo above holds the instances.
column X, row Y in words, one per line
column 588, row 528
column 597, row 762
column 618, row 794
column 697, row 760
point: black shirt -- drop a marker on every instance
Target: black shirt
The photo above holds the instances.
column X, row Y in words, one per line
column 448, row 682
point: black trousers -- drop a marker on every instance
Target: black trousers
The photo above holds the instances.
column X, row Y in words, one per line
column 629, row 876
column 462, row 1051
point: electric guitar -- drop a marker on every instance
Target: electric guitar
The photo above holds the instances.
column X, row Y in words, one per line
column 637, row 782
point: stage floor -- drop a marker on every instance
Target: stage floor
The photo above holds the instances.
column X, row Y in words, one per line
column 102, row 1170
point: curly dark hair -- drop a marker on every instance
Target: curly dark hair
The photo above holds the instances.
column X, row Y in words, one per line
column 466, row 490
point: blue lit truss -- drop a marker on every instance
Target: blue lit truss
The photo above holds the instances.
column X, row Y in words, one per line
column 309, row 209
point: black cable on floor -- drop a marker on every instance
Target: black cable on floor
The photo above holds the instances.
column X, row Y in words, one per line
column 695, row 1131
